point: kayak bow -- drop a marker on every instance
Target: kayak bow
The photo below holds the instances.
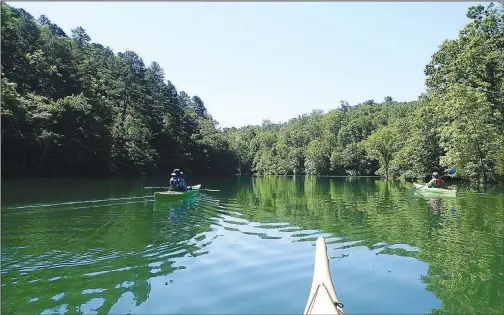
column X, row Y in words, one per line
column 424, row 189
column 322, row 298
column 176, row 195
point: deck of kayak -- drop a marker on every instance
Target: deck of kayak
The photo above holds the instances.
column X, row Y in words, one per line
column 177, row 195
column 438, row 191
column 322, row 298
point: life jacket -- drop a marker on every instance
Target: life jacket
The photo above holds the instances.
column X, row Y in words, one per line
column 437, row 182
column 176, row 184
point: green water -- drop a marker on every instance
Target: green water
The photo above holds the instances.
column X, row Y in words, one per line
column 105, row 247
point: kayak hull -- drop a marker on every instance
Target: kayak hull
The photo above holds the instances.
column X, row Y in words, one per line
column 438, row 191
column 176, row 195
column 322, row 298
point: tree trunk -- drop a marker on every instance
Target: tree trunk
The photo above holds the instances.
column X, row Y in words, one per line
column 481, row 161
column 42, row 157
column 123, row 113
column 125, row 103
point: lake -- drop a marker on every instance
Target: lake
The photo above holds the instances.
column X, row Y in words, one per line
column 104, row 246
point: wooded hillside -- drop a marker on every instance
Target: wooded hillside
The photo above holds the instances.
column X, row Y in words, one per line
column 71, row 107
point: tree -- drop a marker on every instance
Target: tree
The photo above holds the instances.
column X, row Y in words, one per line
column 184, row 99
column 133, row 74
column 468, row 135
column 199, row 107
column 381, row 145
column 344, row 105
column 55, row 29
column 20, row 38
column 317, row 158
column 80, row 37
column 499, row 162
column 466, row 80
column 475, row 58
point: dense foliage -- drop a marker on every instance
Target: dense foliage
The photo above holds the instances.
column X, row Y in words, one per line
column 72, row 107
column 459, row 121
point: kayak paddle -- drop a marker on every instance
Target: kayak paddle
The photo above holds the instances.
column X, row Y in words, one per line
column 450, row 172
column 153, row 187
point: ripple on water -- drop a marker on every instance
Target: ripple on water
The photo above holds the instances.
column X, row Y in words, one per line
column 92, row 306
column 251, row 252
column 92, row 291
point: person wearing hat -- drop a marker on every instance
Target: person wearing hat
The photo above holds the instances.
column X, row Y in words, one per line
column 435, row 182
column 177, row 182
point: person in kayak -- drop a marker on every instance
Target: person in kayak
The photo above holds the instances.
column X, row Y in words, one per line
column 435, row 182
column 177, row 182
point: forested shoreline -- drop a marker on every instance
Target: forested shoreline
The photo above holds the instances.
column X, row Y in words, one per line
column 71, row 107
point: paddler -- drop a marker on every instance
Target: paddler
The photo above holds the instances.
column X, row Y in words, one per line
column 177, row 182
column 435, row 182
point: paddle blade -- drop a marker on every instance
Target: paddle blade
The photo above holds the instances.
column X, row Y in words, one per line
column 452, row 171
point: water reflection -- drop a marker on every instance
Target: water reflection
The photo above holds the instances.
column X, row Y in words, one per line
column 391, row 251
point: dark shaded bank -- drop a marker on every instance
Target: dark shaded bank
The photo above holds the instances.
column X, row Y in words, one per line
column 74, row 108
column 71, row 107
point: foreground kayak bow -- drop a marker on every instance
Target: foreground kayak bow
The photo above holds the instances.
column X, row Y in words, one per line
column 322, row 298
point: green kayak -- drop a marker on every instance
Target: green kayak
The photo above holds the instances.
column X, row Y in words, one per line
column 176, row 195
column 322, row 298
column 438, row 191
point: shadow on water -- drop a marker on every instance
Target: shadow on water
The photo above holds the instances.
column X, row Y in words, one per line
column 107, row 248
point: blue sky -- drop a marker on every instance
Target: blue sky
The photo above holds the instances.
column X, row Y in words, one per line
column 254, row 61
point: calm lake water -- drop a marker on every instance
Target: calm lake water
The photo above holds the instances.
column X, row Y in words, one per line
column 106, row 247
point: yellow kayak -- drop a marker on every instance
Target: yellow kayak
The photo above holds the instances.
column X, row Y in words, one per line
column 322, row 299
